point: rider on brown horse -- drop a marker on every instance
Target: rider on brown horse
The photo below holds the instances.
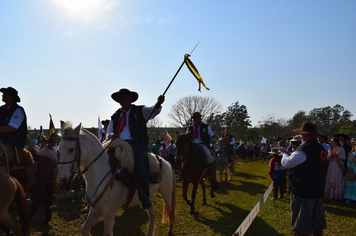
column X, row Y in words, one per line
column 201, row 134
column 13, row 128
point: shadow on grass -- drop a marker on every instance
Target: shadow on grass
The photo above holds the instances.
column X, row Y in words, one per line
column 232, row 217
column 340, row 208
column 128, row 223
column 251, row 188
column 248, row 176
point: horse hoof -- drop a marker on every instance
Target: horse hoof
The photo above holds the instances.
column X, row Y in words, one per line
column 204, row 203
column 191, row 212
column 212, row 195
column 170, row 234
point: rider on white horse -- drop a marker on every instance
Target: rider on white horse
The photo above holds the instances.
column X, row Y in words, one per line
column 129, row 124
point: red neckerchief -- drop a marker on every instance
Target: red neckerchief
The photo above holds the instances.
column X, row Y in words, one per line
column 196, row 131
column 122, row 123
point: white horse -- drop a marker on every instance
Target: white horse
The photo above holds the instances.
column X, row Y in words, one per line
column 222, row 160
column 81, row 150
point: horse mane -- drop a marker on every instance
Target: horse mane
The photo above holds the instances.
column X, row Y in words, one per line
column 67, row 130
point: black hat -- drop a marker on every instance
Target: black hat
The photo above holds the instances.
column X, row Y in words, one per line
column 12, row 91
column 196, row 114
column 346, row 137
column 116, row 96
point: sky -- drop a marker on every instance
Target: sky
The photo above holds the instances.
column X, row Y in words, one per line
column 66, row 57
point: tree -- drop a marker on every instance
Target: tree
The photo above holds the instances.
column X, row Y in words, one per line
column 298, row 119
column 153, row 131
column 236, row 119
column 183, row 109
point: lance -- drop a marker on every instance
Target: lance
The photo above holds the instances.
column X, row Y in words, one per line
column 169, row 85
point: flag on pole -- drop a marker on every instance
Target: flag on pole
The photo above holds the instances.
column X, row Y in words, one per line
column 264, row 140
column 195, row 72
column 168, row 137
column 41, row 131
column 100, row 130
column 51, row 130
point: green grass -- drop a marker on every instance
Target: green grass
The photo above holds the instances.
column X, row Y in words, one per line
column 222, row 216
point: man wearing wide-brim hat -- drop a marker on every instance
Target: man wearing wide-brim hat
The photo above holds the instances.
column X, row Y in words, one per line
column 13, row 125
column 129, row 123
column 202, row 134
column 307, row 174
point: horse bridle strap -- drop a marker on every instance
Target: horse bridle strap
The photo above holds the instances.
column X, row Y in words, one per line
column 77, row 155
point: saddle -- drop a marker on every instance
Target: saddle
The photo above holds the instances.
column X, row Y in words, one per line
column 121, row 157
column 14, row 158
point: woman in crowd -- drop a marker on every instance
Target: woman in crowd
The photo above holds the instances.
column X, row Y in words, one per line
column 350, row 189
column 334, row 186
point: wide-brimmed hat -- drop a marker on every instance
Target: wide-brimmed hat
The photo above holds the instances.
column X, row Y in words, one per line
column 116, row 96
column 296, row 138
column 12, row 91
column 346, row 137
column 197, row 113
column 308, row 128
column 274, row 151
column 105, row 122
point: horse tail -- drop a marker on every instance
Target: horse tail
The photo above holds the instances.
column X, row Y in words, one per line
column 170, row 214
column 23, row 207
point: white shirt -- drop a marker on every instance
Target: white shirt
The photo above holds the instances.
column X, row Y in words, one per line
column 126, row 134
column 16, row 118
column 296, row 158
column 199, row 139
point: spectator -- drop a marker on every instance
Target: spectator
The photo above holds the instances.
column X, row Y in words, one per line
column 334, row 187
column 306, row 176
column 350, row 189
column 276, row 174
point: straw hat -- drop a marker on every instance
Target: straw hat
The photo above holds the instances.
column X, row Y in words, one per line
column 308, row 129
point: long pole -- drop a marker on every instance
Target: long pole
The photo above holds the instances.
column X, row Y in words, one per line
column 169, row 85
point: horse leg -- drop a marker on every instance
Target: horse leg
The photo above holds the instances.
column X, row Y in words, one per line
column 11, row 223
column 225, row 171
column 185, row 191
column 212, row 195
column 151, row 215
column 91, row 220
column 194, row 194
column 221, row 173
column 203, row 188
column 109, row 216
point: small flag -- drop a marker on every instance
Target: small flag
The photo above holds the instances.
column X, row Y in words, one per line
column 194, row 71
column 264, row 140
column 51, row 130
column 100, row 130
column 168, row 137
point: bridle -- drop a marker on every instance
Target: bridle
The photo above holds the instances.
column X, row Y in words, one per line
column 77, row 156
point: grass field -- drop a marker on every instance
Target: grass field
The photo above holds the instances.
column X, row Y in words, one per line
column 221, row 216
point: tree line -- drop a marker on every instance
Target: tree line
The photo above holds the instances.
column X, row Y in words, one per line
column 329, row 120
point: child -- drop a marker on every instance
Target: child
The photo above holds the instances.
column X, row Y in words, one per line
column 276, row 173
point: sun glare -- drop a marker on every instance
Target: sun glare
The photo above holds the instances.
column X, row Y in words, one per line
column 85, row 9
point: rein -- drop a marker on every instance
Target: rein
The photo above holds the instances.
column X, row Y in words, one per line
column 77, row 160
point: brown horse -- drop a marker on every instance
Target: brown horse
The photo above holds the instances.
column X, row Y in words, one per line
column 11, row 189
column 193, row 169
column 43, row 188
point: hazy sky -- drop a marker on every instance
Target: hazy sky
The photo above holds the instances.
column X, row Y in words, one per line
column 66, row 57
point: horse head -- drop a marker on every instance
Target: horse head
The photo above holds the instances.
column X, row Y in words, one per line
column 69, row 150
column 184, row 146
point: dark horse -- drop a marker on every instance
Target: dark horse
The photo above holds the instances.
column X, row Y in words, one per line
column 11, row 189
column 193, row 169
column 42, row 188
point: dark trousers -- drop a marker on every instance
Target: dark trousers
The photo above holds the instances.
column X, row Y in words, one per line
column 142, row 172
